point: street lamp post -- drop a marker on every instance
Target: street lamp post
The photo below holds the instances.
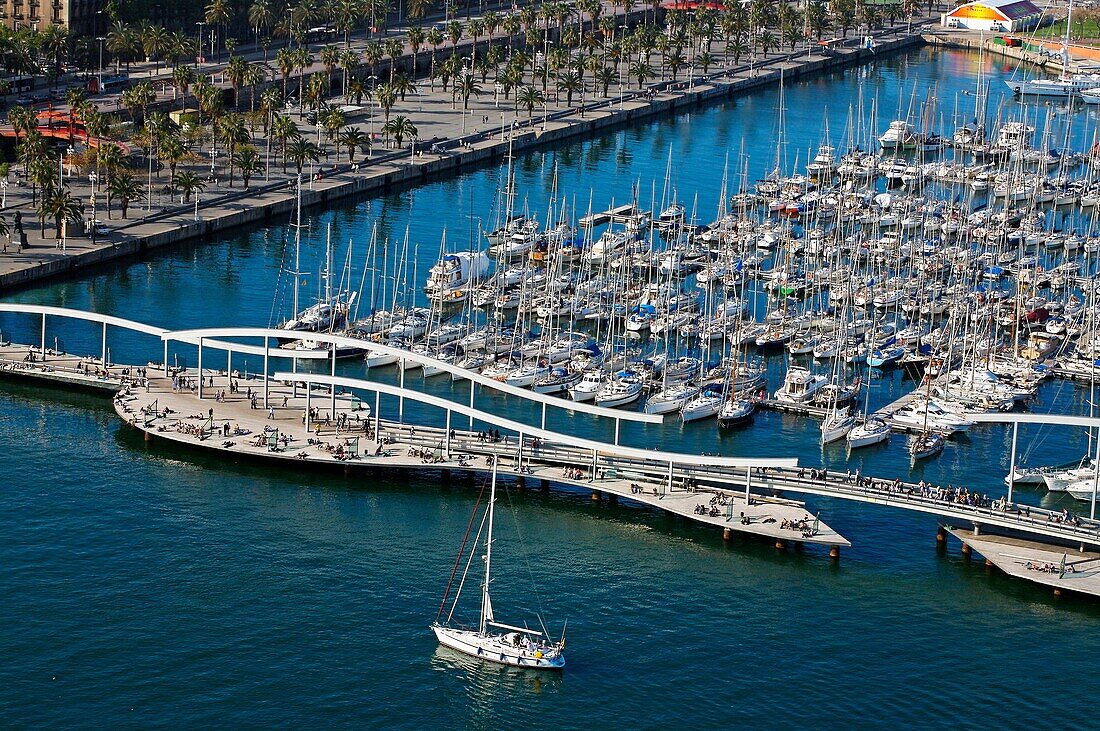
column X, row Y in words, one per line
column 94, row 224
column 199, row 56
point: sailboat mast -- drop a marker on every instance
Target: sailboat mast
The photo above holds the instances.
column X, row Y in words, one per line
column 486, row 606
column 297, row 245
column 328, row 262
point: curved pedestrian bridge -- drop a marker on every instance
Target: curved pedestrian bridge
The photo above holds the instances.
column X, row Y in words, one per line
column 316, row 418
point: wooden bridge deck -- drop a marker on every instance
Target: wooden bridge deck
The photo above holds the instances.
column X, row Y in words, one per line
column 406, row 446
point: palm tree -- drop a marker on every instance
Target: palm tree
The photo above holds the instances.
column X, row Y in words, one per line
column 302, row 151
column 675, row 61
column 529, row 97
column 42, row 173
column 271, row 101
column 137, row 98
column 434, row 38
column 467, row 86
column 353, row 139
column 356, row 90
column 110, row 159
column 155, row 41
column 386, row 96
column 768, row 41
column 332, row 119
column 60, row 205
column 286, row 63
column 22, row 119
column 236, row 72
column 373, row 53
column 260, row 16
column 172, row 151
column 394, row 49
column 302, row 61
column 403, row 84
column 416, row 9
column 182, row 78
column 570, row 82
column 121, row 42
column 247, row 159
column 284, row 130
column 642, row 71
column 346, row 14
column 704, row 61
column 738, row 48
column 349, row 61
column 218, row 14
column 415, row 38
column 187, row 183
column 399, row 128
column 454, row 33
column 231, row 131
column 127, row 189
column 330, row 56
column 605, row 76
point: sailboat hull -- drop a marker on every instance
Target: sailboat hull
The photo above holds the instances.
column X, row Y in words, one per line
column 495, row 649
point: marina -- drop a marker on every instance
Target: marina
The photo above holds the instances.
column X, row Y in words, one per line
column 723, row 389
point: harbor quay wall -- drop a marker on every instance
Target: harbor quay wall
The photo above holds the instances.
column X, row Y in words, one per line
column 263, row 204
column 1050, row 59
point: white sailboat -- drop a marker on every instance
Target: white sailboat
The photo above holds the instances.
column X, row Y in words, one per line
column 516, row 646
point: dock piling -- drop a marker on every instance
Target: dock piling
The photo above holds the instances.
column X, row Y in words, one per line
column 834, row 553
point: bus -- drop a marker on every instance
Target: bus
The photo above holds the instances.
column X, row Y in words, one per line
column 322, row 34
column 108, row 84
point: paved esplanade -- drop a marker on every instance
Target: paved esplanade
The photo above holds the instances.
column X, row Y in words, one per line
column 469, row 133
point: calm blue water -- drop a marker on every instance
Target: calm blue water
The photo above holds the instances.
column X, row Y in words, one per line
column 145, row 585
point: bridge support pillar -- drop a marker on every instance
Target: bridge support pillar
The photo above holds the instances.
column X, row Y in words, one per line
column 727, row 534
column 148, row 436
column 1057, row 592
column 545, row 485
column 267, row 381
column 595, row 496
column 780, row 544
column 521, row 481
column 967, row 550
column 834, row 553
column 200, row 369
column 988, row 564
column 941, row 535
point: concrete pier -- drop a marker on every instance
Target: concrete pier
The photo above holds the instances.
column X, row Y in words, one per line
column 1062, row 568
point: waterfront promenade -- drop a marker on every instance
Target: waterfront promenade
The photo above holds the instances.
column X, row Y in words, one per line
column 460, row 139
